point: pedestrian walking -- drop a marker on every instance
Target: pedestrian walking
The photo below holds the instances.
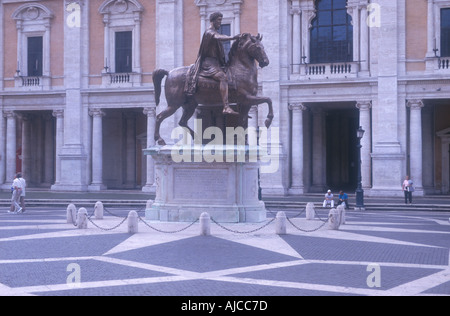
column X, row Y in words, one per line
column 408, row 189
column 23, row 185
column 16, row 191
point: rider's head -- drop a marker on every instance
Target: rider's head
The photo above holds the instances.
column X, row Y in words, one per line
column 215, row 16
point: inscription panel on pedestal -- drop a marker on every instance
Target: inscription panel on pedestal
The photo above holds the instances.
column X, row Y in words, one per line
column 200, row 184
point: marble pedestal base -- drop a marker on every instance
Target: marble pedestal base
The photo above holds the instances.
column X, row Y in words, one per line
column 228, row 191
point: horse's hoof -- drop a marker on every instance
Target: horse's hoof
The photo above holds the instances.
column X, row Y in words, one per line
column 268, row 122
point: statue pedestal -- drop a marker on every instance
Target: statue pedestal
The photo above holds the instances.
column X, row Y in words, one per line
column 201, row 182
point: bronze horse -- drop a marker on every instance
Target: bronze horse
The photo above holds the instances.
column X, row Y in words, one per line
column 243, row 73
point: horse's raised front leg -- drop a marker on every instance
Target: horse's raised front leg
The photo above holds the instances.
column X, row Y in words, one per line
column 255, row 100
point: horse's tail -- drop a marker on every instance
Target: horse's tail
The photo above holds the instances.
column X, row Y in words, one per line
column 158, row 76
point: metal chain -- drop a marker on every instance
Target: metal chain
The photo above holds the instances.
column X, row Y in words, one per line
column 167, row 232
column 243, row 233
column 107, row 229
column 74, row 222
column 299, row 214
column 306, row 230
column 323, row 220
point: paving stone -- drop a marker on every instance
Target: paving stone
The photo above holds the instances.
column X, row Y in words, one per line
column 410, row 248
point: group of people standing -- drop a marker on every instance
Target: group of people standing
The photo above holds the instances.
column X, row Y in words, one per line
column 18, row 194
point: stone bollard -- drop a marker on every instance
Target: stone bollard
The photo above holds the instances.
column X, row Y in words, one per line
column 71, row 214
column 334, row 219
column 205, row 224
column 280, row 224
column 341, row 209
column 310, row 212
column 82, row 220
column 133, row 221
column 98, row 210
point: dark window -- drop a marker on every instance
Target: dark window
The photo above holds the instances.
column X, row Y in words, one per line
column 445, row 32
column 331, row 33
column 35, row 49
column 124, row 44
column 225, row 29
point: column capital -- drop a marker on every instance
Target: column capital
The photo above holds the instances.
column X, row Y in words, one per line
column 151, row 111
column 297, row 107
column 415, row 104
column 364, row 105
column 58, row 113
column 295, row 8
column 96, row 113
column 9, row 114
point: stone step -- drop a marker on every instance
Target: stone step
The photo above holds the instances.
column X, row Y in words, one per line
column 272, row 204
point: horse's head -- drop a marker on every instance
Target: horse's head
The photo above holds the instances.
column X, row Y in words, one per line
column 254, row 48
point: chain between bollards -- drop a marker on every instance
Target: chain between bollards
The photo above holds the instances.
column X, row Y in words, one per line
column 336, row 217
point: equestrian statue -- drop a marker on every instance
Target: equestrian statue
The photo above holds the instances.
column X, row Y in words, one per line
column 213, row 82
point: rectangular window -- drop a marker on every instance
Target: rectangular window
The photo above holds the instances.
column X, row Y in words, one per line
column 331, row 33
column 35, row 55
column 445, row 32
column 124, row 50
column 225, row 29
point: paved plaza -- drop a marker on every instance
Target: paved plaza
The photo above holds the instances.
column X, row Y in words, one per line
column 374, row 253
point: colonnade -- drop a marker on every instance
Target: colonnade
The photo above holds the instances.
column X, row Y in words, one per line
column 297, row 167
column 53, row 142
column 365, row 121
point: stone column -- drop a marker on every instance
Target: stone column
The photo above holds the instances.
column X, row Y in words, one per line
column 318, row 151
column 2, row 142
column 151, row 120
column 415, row 144
column 74, row 175
column 386, row 110
column 26, row 153
column 59, row 114
column 364, row 53
column 166, row 41
column 130, row 150
column 137, row 38
column 97, row 150
column 296, row 37
column 48, row 154
column 11, row 146
column 366, row 143
column 431, row 35
column 353, row 11
column 308, row 14
column 297, row 186
column 237, row 16
column 106, row 43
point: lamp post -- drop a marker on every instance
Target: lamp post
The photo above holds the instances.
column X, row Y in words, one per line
column 359, row 190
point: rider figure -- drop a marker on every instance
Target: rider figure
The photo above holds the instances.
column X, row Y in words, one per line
column 211, row 61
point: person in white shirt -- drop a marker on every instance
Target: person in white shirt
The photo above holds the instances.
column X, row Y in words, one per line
column 408, row 189
column 328, row 199
column 18, row 194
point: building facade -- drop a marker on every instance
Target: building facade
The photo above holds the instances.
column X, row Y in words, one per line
column 78, row 107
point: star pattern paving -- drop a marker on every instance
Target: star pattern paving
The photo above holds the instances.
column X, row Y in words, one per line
column 404, row 253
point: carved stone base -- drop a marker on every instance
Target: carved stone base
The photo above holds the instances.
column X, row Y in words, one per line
column 228, row 191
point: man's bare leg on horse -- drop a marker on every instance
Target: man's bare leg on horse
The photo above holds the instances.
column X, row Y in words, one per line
column 222, row 78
